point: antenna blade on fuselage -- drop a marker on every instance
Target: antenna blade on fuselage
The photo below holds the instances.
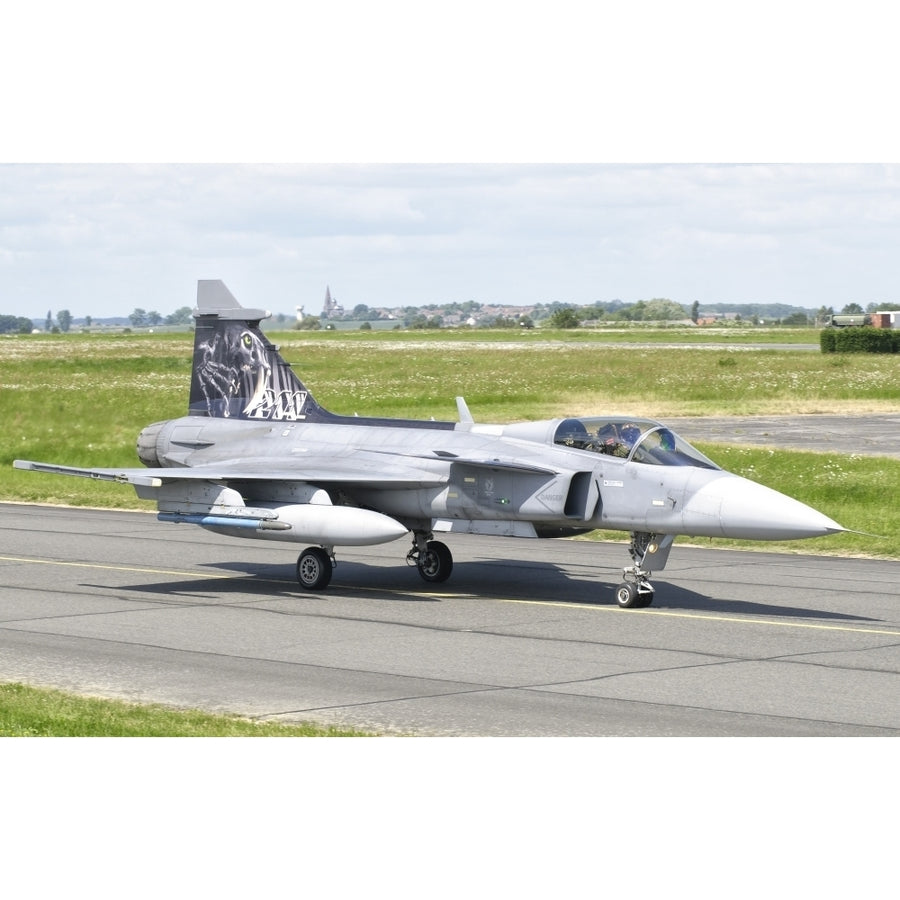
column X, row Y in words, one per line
column 465, row 417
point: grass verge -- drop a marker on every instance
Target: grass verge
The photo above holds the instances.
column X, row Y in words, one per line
column 45, row 712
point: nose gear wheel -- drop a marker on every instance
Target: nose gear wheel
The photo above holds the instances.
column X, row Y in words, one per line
column 636, row 592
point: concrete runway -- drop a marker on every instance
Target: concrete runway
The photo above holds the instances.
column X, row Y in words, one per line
column 524, row 639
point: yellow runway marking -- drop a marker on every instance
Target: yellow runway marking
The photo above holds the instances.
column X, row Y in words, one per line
column 710, row 617
column 55, row 562
column 739, row 620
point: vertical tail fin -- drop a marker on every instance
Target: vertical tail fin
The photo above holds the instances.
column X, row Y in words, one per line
column 237, row 372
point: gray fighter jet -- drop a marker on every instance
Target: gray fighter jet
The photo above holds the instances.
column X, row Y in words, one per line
column 258, row 457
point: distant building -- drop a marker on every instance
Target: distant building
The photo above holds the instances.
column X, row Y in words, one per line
column 331, row 307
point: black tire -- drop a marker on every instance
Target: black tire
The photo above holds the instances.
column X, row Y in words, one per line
column 314, row 569
column 627, row 595
column 435, row 562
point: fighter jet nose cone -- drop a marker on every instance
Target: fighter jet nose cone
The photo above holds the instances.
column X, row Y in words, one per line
column 748, row 510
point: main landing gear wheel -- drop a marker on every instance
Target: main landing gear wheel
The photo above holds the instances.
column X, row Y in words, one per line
column 435, row 562
column 314, row 569
column 630, row 596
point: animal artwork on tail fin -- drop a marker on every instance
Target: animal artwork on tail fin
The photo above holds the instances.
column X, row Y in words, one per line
column 237, row 372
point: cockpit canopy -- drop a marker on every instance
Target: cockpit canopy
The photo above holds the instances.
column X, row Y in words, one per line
column 636, row 440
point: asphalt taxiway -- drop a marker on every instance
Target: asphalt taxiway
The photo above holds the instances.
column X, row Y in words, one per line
column 524, row 639
column 870, row 435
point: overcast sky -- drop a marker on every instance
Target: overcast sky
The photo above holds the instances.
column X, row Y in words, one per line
column 101, row 240
column 456, row 149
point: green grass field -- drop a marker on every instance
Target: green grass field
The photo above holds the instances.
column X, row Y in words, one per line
column 82, row 399
column 42, row 712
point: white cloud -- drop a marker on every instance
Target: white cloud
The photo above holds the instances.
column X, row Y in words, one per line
column 101, row 240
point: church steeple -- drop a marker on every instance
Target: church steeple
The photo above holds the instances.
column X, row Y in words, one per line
column 331, row 307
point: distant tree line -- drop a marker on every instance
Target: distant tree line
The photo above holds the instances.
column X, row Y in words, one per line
column 64, row 320
column 15, row 325
column 140, row 318
column 21, row 325
column 556, row 314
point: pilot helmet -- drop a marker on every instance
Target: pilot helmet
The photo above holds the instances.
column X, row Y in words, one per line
column 607, row 431
column 630, row 433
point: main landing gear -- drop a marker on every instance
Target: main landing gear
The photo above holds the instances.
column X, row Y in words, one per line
column 433, row 559
column 314, row 568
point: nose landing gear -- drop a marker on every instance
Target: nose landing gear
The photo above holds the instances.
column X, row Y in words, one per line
column 636, row 592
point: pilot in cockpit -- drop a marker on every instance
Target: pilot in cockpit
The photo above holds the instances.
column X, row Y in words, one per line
column 666, row 440
column 617, row 441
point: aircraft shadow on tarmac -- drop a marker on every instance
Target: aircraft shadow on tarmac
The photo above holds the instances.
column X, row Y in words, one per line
column 549, row 583
column 505, row 579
